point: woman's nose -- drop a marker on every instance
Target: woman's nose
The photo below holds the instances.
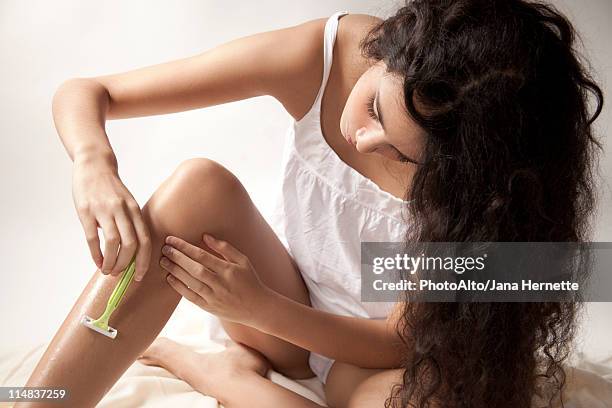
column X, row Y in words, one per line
column 367, row 141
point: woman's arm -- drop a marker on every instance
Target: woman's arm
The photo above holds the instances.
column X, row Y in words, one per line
column 362, row 342
column 229, row 287
column 79, row 112
column 283, row 63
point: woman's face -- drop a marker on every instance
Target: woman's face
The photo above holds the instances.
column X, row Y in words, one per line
column 374, row 118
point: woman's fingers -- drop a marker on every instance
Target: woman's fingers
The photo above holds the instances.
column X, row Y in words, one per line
column 103, row 201
column 111, row 242
column 187, row 293
column 128, row 243
column 227, row 250
column 185, row 277
column 143, row 255
column 203, row 257
column 90, row 226
column 197, row 271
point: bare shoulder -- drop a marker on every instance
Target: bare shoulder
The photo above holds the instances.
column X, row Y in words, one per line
column 356, row 26
column 352, row 28
column 297, row 84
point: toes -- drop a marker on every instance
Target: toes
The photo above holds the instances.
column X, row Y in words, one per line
column 156, row 350
column 146, row 360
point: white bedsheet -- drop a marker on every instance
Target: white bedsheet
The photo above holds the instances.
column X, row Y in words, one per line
column 589, row 379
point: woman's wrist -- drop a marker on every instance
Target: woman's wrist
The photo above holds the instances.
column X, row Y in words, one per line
column 98, row 158
column 268, row 308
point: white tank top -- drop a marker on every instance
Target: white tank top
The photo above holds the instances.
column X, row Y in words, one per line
column 325, row 208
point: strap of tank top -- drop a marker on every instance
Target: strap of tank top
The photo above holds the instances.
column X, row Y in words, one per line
column 331, row 28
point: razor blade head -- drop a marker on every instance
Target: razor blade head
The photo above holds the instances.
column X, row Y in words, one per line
column 89, row 322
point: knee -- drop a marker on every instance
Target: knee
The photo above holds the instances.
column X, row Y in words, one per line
column 202, row 176
column 200, row 191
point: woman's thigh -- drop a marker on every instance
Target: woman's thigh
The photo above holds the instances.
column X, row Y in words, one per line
column 349, row 386
column 209, row 198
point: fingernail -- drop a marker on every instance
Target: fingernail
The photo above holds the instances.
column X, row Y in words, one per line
column 209, row 238
column 137, row 278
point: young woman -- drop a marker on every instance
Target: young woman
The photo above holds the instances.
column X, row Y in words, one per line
column 469, row 116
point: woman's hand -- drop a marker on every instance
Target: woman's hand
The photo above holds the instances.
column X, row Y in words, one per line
column 228, row 288
column 101, row 200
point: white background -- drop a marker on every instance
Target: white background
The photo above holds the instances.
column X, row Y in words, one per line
column 43, row 253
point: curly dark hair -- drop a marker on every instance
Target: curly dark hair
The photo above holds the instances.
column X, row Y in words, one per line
column 502, row 96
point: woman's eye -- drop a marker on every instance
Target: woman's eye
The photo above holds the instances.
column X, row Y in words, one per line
column 403, row 158
column 370, row 106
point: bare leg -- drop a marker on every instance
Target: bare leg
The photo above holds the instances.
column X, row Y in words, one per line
column 236, row 374
column 200, row 196
column 233, row 376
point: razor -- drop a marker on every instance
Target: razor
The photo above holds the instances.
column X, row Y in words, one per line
column 100, row 324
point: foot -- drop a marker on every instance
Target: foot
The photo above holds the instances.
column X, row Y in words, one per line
column 209, row 373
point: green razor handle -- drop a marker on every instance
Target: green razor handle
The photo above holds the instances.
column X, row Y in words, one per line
column 101, row 324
